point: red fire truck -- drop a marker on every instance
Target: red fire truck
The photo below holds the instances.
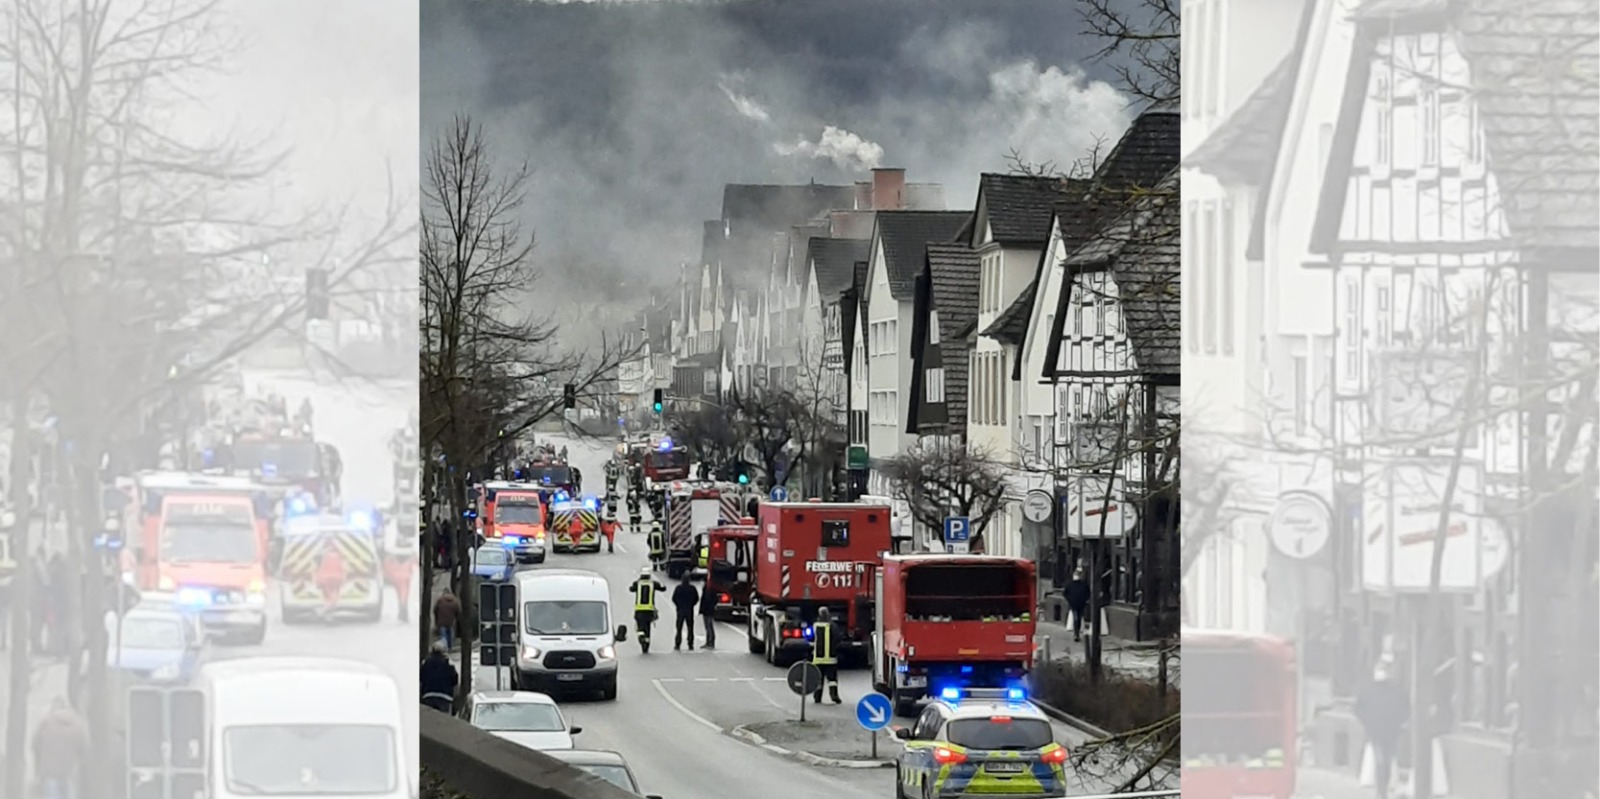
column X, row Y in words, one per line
column 951, row 621
column 811, row 555
column 693, row 509
column 730, row 567
column 151, row 490
column 666, row 462
column 1239, row 725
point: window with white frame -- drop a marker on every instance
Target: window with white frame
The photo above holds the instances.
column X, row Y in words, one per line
column 1208, row 278
column 1430, row 127
column 1301, row 395
column 935, row 379
column 1226, row 260
column 1350, row 335
column 1474, row 134
column 1383, row 122
column 1187, row 256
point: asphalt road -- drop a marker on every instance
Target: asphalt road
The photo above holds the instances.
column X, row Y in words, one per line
column 674, row 708
column 358, row 418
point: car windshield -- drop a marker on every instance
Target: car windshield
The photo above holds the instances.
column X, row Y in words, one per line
column 288, row 459
column 674, row 459
column 143, row 632
column 616, row 775
column 492, row 556
column 310, row 760
column 516, row 513
column 1001, row 732
column 517, row 717
column 183, row 542
column 550, row 475
column 565, row 618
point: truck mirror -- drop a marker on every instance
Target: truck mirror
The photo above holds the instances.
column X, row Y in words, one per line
column 622, row 632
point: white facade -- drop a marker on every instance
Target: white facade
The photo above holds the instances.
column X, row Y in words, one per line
column 1040, row 422
column 887, row 325
column 860, row 392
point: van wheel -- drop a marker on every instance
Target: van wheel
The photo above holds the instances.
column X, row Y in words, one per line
column 609, row 693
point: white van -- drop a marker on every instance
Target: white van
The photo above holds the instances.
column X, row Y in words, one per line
column 304, row 726
column 565, row 638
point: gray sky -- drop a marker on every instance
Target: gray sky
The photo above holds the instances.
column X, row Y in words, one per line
column 633, row 115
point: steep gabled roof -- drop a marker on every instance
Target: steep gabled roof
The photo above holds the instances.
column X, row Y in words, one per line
column 953, row 269
column 905, row 236
column 1531, row 67
column 1141, row 248
column 1073, row 212
column 834, row 261
column 1017, row 206
column 1244, row 147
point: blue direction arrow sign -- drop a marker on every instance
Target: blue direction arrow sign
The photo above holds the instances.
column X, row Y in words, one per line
column 780, row 494
column 874, row 712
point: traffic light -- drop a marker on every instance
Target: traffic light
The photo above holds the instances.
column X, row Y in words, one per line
column 657, row 405
column 316, row 294
column 569, row 396
column 741, row 472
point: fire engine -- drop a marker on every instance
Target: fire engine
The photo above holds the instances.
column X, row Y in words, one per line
column 944, row 621
column 811, row 555
column 693, row 509
column 1252, row 714
column 730, row 567
column 575, row 525
column 513, row 516
column 149, row 492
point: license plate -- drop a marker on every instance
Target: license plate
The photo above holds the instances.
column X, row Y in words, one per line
column 242, row 618
column 569, row 677
column 1003, row 768
column 916, row 682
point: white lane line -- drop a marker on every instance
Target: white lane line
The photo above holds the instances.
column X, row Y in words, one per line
column 774, row 679
column 741, row 679
column 679, row 705
column 707, row 679
column 670, row 679
column 621, row 548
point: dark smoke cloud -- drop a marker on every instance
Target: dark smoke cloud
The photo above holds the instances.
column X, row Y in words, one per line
column 634, row 115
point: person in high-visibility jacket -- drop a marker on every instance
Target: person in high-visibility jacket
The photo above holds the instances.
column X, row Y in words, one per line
column 658, row 544
column 608, row 527
column 644, row 592
column 824, row 637
column 705, row 554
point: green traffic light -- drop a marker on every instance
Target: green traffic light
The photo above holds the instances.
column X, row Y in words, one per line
column 658, row 407
column 744, row 479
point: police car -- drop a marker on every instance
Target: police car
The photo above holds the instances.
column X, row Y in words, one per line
column 980, row 742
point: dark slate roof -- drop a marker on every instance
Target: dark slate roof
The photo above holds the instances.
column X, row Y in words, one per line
column 1011, row 326
column 1244, row 147
column 1074, row 213
column 1541, row 123
column 954, row 270
column 834, row 260
column 1257, row 243
column 1143, row 156
column 906, row 235
column 769, row 208
column 1018, row 207
column 1142, row 250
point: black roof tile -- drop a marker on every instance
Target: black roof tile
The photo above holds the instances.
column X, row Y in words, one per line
column 834, row 260
column 1018, row 207
column 906, row 235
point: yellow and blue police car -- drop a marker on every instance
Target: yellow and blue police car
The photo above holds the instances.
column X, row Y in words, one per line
column 980, row 742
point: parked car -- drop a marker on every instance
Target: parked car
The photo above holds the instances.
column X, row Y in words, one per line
column 155, row 644
column 522, row 717
column 608, row 766
column 493, row 563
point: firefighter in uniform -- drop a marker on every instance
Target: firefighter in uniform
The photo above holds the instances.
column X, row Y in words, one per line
column 644, row 604
column 658, row 545
column 608, row 526
column 823, row 655
column 633, row 508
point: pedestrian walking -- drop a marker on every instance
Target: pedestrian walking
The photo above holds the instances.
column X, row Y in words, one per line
column 1382, row 707
column 60, row 747
column 823, row 634
column 1077, row 596
column 439, row 679
column 446, row 612
column 708, row 612
column 684, row 599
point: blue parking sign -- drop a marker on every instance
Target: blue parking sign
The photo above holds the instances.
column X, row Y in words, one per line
column 957, row 529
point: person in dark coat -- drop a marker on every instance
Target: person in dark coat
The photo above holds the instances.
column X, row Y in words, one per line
column 684, row 600
column 446, row 612
column 1383, row 707
column 439, row 679
column 1077, row 596
column 60, row 747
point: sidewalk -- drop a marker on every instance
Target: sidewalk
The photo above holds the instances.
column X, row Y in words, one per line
column 1136, row 659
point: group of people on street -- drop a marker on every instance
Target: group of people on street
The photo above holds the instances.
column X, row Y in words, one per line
column 47, row 631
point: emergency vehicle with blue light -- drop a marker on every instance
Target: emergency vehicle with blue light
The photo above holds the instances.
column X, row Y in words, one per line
column 980, row 742
column 357, row 535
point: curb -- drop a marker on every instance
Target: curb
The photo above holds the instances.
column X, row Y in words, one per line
column 747, row 735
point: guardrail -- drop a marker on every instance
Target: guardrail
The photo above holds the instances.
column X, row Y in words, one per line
column 478, row 765
column 1162, row 794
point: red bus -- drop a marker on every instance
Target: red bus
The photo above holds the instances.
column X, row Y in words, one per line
column 1239, row 725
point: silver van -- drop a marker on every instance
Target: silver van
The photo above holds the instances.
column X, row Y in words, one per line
column 566, row 641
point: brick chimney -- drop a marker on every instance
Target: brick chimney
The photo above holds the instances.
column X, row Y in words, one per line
column 888, row 189
column 863, row 195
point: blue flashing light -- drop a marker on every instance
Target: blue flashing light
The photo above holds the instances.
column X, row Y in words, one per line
column 950, row 694
column 299, row 506
column 361, row 519
column 194, row 597
column 810, row 631
column 561, row 496
column 665, row 445
column 511, row 539
column 592, row 503
column 545, row 479
column 518, row 474
column 966, row 669
column 1016, row 694
column 269, row 469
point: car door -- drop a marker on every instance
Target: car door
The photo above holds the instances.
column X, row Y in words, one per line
column 917, row 759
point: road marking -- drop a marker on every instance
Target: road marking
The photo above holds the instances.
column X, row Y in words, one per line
column 670, row 679
column 774, row 679
column 707, row 679
column 720, row 679
column 621, row 548
column 741, row 679
column 679, row 705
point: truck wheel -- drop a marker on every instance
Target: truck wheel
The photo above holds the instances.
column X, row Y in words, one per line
column 755, row 643
column 767, row 640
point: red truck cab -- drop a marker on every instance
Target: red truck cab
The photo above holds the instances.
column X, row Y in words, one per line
column 1241, row 726
column 514, row 516
column 730, row 567
column 951, row 621
column 811, row 555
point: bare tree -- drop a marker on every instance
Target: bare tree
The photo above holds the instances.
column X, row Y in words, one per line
column 708, row 432
column 1141, row 40
column 938, row 479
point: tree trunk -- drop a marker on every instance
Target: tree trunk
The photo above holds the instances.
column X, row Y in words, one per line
column 17, row 691
column 465, row 624
column 85, row 514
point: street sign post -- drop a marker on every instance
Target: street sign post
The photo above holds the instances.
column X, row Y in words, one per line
column 804, row 679
column 166, row 743
column 497, row 627
column 957, row 534
column 873, row 713
column 780, row 494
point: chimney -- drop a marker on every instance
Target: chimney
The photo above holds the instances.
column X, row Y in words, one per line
column 888, row 189
column 863, row 195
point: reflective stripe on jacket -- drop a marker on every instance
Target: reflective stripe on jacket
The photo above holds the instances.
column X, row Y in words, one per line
column 822, row 644
column 644, row 596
